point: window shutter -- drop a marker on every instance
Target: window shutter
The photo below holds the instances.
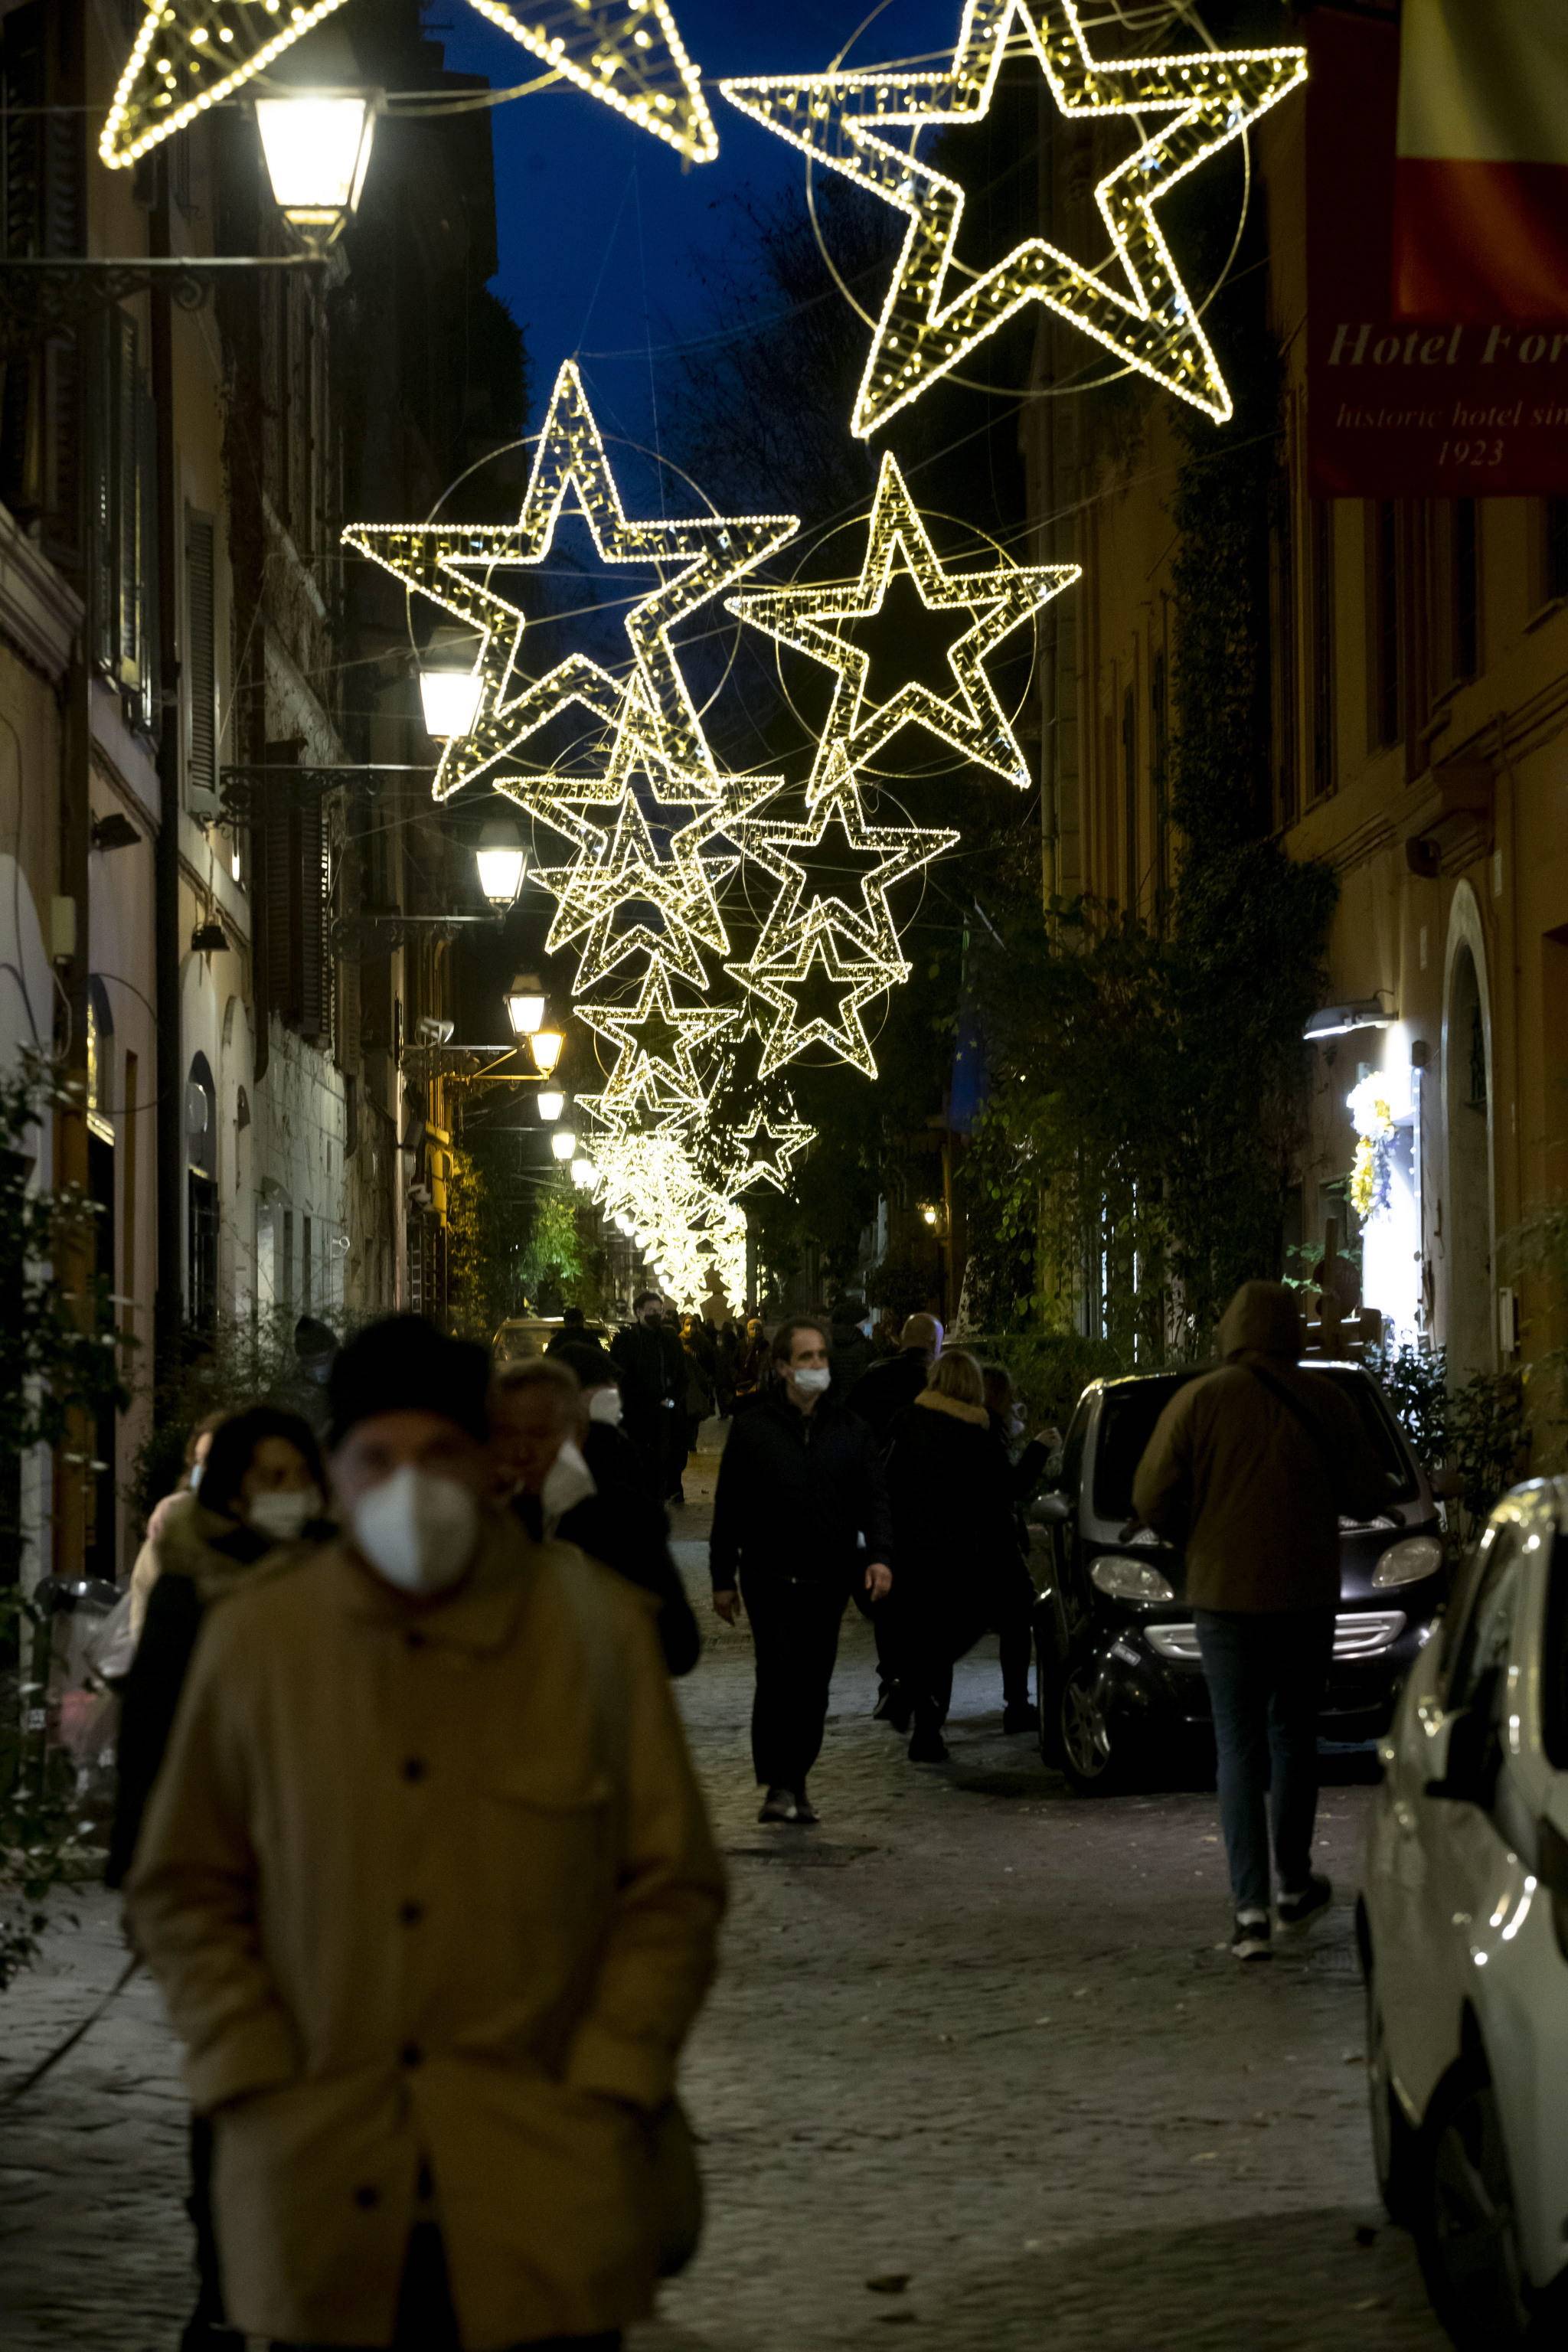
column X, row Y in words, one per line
column 201, row 654
column 274, row 839
column 315, row 982
column 103, row 348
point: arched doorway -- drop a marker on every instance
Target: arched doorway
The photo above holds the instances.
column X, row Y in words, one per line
column 1470, row 1320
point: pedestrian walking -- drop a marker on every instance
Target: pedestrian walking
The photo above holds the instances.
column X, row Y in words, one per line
column 800, row 1514
column 1249, row 1471
column 702, row 1365
column 652, row 1365
column 726, row 1348
column 1027, row 1460
column 853, row 1354
column 885, row 1390
column 571, row 1473
column 951, row 1490
column 430, row 1892
column 261, row 1485
column 751, row 1362
column 573, row 1333
column 149, row 1561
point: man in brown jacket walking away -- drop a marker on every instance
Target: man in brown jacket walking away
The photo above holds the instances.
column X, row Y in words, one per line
column 430, row 1891
column 1249, row 1471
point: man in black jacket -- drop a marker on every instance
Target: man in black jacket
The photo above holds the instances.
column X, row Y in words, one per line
column 887, row 1389
column 800, row 1486
column 652, row 1365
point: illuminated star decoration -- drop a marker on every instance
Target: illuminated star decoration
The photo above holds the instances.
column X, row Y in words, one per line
column 1002, row 598
column 837, row 830
column 818, row 993
column 451, row 565
column 839, row 118
column 190, row 54
column 657, row 1042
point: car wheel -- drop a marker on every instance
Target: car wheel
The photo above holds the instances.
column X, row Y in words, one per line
column 1394, row 2144
column 1467, row 2232
column 1093, row 1752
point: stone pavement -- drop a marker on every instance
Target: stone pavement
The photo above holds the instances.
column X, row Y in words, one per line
column 977, row 2066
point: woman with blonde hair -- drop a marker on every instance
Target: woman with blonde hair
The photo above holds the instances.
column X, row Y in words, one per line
column 953, row 1525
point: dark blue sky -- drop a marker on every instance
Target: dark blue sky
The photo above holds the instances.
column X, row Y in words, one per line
column 600, row 223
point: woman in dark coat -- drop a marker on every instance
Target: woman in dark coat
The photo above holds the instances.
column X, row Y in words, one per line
column 952, row 1492
column 262, row 1486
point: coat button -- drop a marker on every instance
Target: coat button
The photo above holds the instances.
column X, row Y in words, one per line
column 411, row 2055
column 367, row 2199
column 411, row 1914
column 414, row 1769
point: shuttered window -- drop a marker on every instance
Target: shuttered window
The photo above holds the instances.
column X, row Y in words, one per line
column 201, row 654
column 296, row 884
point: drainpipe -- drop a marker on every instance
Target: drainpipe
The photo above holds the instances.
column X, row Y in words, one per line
column 168, row 1314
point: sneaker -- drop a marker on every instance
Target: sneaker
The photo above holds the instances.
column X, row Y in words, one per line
column 806, row 1813
column 1295, row 1910
column 892, row 1708
column 1251, row 1938
column 928, row 1748
column 1016, row 1718
column 779, row 1805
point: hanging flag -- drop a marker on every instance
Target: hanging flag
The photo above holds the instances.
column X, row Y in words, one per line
column 1481, row 216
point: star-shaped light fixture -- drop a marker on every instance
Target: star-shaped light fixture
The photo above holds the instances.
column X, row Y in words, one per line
column 838, row 826
column 842, row 120
column 188, row 55
column 1000, row 598
column 817, row 994
column 453, row 564
column 657, row 1042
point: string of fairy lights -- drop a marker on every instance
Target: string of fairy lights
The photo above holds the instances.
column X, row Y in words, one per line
column 663, row 851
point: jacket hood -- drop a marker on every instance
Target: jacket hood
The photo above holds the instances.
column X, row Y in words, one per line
column 1264, row 1318
column 932, row 1401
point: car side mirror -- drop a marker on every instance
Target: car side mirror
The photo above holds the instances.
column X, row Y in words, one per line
column 1054, row 1509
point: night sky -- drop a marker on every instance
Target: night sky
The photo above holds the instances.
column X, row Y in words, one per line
column 600, row 223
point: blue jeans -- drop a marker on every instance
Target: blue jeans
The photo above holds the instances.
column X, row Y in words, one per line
column 1267, row 1675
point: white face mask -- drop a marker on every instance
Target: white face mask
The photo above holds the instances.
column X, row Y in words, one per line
column 605, row 1405
column 812, row 1380
column 417, row 1530
column 567, row 1482
column 195, row 1480
column 1015, row 1421
column 283, row 1516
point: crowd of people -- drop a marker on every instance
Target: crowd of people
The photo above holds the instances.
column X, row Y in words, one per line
column 407, row 1824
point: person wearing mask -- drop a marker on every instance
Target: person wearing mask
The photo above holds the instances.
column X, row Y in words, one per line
column 430, row 1892
column 1026, row 1463
column 885, row 1390
column 951, row 1488
column 1248, row 1472
column 261, row 1486
column 573, row 1333
column 148, row 1563
column 652, row 1365
column 800, row 1514
column 751, row 1362
column 853, row 1354
column 569, row 1471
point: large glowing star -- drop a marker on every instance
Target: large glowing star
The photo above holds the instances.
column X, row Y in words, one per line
column 1000, row 599
column 453, row 565
column 657, row 1042
column 190, row 54
column 842, row 120
column 817, row 994
column 836, row 838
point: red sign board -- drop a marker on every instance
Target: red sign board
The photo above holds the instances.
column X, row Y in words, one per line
column 1467, row 410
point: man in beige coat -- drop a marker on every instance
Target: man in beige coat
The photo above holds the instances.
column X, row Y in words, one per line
column 430, row 1891
column 1249, row 1471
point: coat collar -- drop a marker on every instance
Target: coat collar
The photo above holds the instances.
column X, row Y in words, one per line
column 481, row 1615
column 932, row 1401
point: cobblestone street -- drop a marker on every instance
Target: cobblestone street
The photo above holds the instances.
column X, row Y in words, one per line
column 978, row 2066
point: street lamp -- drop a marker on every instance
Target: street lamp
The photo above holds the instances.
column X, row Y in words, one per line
column 549, row 1106
column 501, row 860
column 449, row 683
column 317, row 146
column 546, row 1046
column 583, row 1172
column 525, row 1008
column 563, row 1143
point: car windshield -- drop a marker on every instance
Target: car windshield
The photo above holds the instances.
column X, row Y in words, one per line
column 1127, row 1423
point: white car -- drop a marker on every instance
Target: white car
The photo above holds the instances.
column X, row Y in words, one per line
column 1464, row 1934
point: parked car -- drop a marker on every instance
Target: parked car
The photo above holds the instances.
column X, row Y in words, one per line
column 521, row 1336
column 1119, row 1679
column 1463, row 1925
